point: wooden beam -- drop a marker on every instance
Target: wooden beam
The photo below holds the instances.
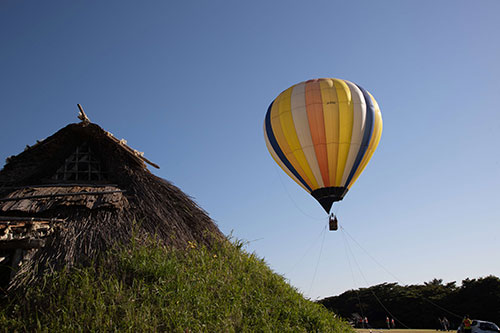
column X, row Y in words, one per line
column 59, row 195
column 56, row 185
column 82, row 116
column 133, row 151
column 29, row 219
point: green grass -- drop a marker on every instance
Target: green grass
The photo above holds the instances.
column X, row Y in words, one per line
column 152, row 288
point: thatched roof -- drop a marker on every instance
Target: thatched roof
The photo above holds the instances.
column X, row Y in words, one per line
column 98, row 187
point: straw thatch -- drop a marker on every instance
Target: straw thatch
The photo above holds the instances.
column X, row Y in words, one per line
column 89, row 191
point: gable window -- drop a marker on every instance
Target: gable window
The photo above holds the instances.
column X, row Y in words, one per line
column 82, row 165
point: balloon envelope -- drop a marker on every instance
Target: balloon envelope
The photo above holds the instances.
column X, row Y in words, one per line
column 322, row 133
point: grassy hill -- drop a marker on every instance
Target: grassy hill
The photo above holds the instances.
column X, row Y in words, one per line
column 148, row 287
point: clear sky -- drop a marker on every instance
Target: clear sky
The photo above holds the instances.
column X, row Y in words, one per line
column 189, row 82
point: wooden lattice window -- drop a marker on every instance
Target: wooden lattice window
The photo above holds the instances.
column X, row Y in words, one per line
column 82, row 165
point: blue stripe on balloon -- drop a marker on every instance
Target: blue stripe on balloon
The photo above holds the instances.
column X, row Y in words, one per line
column 277, row 149
column 367, row 134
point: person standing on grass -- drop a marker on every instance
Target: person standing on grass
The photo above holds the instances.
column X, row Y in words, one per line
column 393, row 324
column 467, row 324
column 446, row 324
column 440, row 326
column 388, row 323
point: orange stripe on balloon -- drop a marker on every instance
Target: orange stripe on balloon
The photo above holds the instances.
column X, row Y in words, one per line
column 314, row 107
column 331, row 116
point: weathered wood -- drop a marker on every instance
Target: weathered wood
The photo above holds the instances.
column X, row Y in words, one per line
column 22, row 230
column 5, row 224
column 60, row 195
column 133, row 151
column 29, row 219
column 82, row 116
column 151, row 207
column 33, row 200
column 149, row 162
column 56, row 185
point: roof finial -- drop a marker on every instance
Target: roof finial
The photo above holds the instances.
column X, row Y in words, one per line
column 82, row 116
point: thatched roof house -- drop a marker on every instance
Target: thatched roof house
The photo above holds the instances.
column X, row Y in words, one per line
column 71, row 196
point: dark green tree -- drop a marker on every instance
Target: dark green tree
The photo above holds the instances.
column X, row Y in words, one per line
column 420, row 306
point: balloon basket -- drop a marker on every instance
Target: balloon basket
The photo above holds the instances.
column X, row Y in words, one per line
column 333, row 223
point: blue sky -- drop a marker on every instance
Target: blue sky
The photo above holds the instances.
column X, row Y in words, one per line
column 189, row 82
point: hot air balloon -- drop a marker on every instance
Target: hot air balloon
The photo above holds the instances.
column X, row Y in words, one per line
column 322, row 133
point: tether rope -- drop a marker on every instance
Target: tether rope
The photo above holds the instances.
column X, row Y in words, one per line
column 352, row 274
column 306, row 252
column 373, row 293
column 395, row 277
column 292, row 200
column 369, row 255
column 315, row 218
column 317, row 263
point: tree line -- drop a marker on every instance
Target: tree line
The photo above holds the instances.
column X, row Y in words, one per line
column 421, row 306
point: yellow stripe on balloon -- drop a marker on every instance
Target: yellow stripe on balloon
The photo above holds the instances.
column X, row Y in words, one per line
column 374, row 141
column 282, row 142
column 331, row 116
column 345, row 127
column 290, row 136
column 279, row 162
